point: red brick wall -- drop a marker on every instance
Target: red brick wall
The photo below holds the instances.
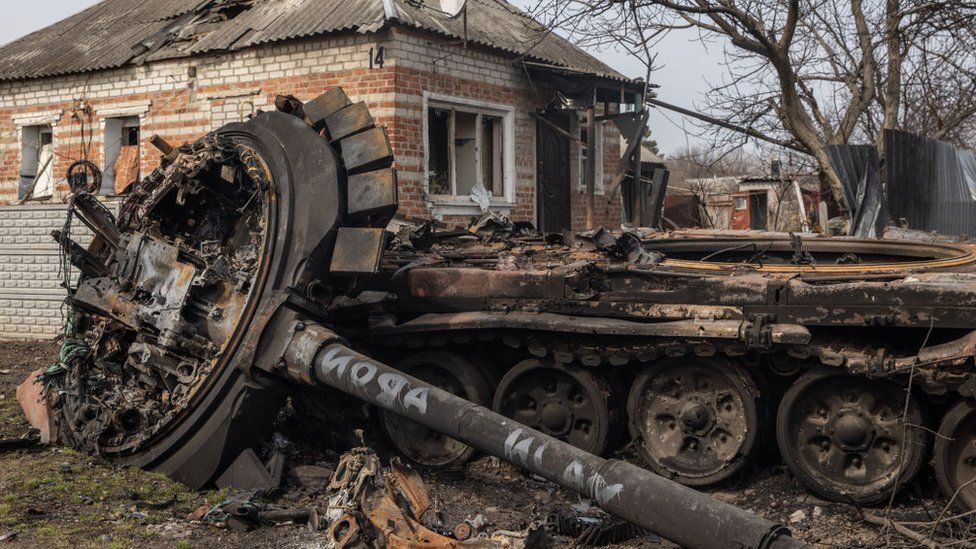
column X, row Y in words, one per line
column 185, row 103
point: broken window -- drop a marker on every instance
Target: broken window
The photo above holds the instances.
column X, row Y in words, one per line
column 584, row 154
column 36, row 162
column 121, row 154
column 466, row 148
column 440, row 125
column 493, row 155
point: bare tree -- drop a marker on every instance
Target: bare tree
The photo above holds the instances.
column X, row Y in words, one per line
column 811, row 73
column 700, row 161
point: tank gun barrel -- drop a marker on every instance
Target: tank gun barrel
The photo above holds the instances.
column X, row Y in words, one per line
column 316, row 356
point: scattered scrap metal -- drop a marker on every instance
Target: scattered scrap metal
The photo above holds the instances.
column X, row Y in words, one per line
column 368, row 505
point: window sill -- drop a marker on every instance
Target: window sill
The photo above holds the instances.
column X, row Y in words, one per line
column 442, row 205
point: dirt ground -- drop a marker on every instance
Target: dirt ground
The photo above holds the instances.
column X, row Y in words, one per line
column 56, row 497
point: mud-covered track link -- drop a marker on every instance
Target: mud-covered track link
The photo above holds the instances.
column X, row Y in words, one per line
column 277, row 212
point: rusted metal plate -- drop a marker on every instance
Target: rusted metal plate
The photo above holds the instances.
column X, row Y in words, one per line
column 367, row 151
column 348, row 121
column 373, row 193
column 516, row 320
column 358, row 251
column 247, row 473
column 477, row 283
column 30, row 396
column 318, row 109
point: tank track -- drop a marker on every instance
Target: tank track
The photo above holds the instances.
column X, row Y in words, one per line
column 774, row 368
column 855, row 357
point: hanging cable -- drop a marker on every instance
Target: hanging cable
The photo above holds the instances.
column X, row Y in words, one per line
column 84, row 176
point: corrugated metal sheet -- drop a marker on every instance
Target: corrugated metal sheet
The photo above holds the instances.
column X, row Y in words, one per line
column 104, row 35
column 498, row 24
column 860, row 172
column 930, row 183
column 167, row 10
column 99, row 37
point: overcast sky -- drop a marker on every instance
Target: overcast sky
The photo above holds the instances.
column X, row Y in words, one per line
column 685, row 66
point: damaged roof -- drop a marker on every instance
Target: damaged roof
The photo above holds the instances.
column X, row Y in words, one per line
column 116, row 33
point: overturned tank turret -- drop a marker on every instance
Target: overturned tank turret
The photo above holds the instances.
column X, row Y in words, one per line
column 174, row 294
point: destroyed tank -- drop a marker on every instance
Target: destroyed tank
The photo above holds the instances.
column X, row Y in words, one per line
column 702, row 349
column 206, row 297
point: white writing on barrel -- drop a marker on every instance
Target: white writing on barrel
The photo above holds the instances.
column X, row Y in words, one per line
column 395, row 391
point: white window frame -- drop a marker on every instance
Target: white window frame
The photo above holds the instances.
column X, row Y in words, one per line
column 43, row 119
column 31, row 148
column 598, row 184
column 463, row 205
column 105, row 117
column 112, row 132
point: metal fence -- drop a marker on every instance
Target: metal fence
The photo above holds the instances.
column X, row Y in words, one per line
column 928, row 184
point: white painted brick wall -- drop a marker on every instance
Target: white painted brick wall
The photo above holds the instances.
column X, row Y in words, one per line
column 31, row 295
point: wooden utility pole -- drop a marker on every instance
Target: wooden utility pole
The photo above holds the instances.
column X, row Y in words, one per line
column 591, row 161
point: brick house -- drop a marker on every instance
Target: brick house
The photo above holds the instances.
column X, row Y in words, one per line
column 487, row 101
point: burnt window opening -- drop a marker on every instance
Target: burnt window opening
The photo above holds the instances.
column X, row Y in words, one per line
column 130, row 136
column 440, row 126
column 122, row 154
column 466, row 147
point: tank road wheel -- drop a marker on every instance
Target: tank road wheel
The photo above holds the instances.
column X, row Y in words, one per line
column 843, row 436
column 454, row 374
column 695, row 421
column 955, row 455
column 565, row 402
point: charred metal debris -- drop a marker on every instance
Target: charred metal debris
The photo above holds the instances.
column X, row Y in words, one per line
column 366, row 504
column 680, row 342
column 160, row 294
column 740, row 293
